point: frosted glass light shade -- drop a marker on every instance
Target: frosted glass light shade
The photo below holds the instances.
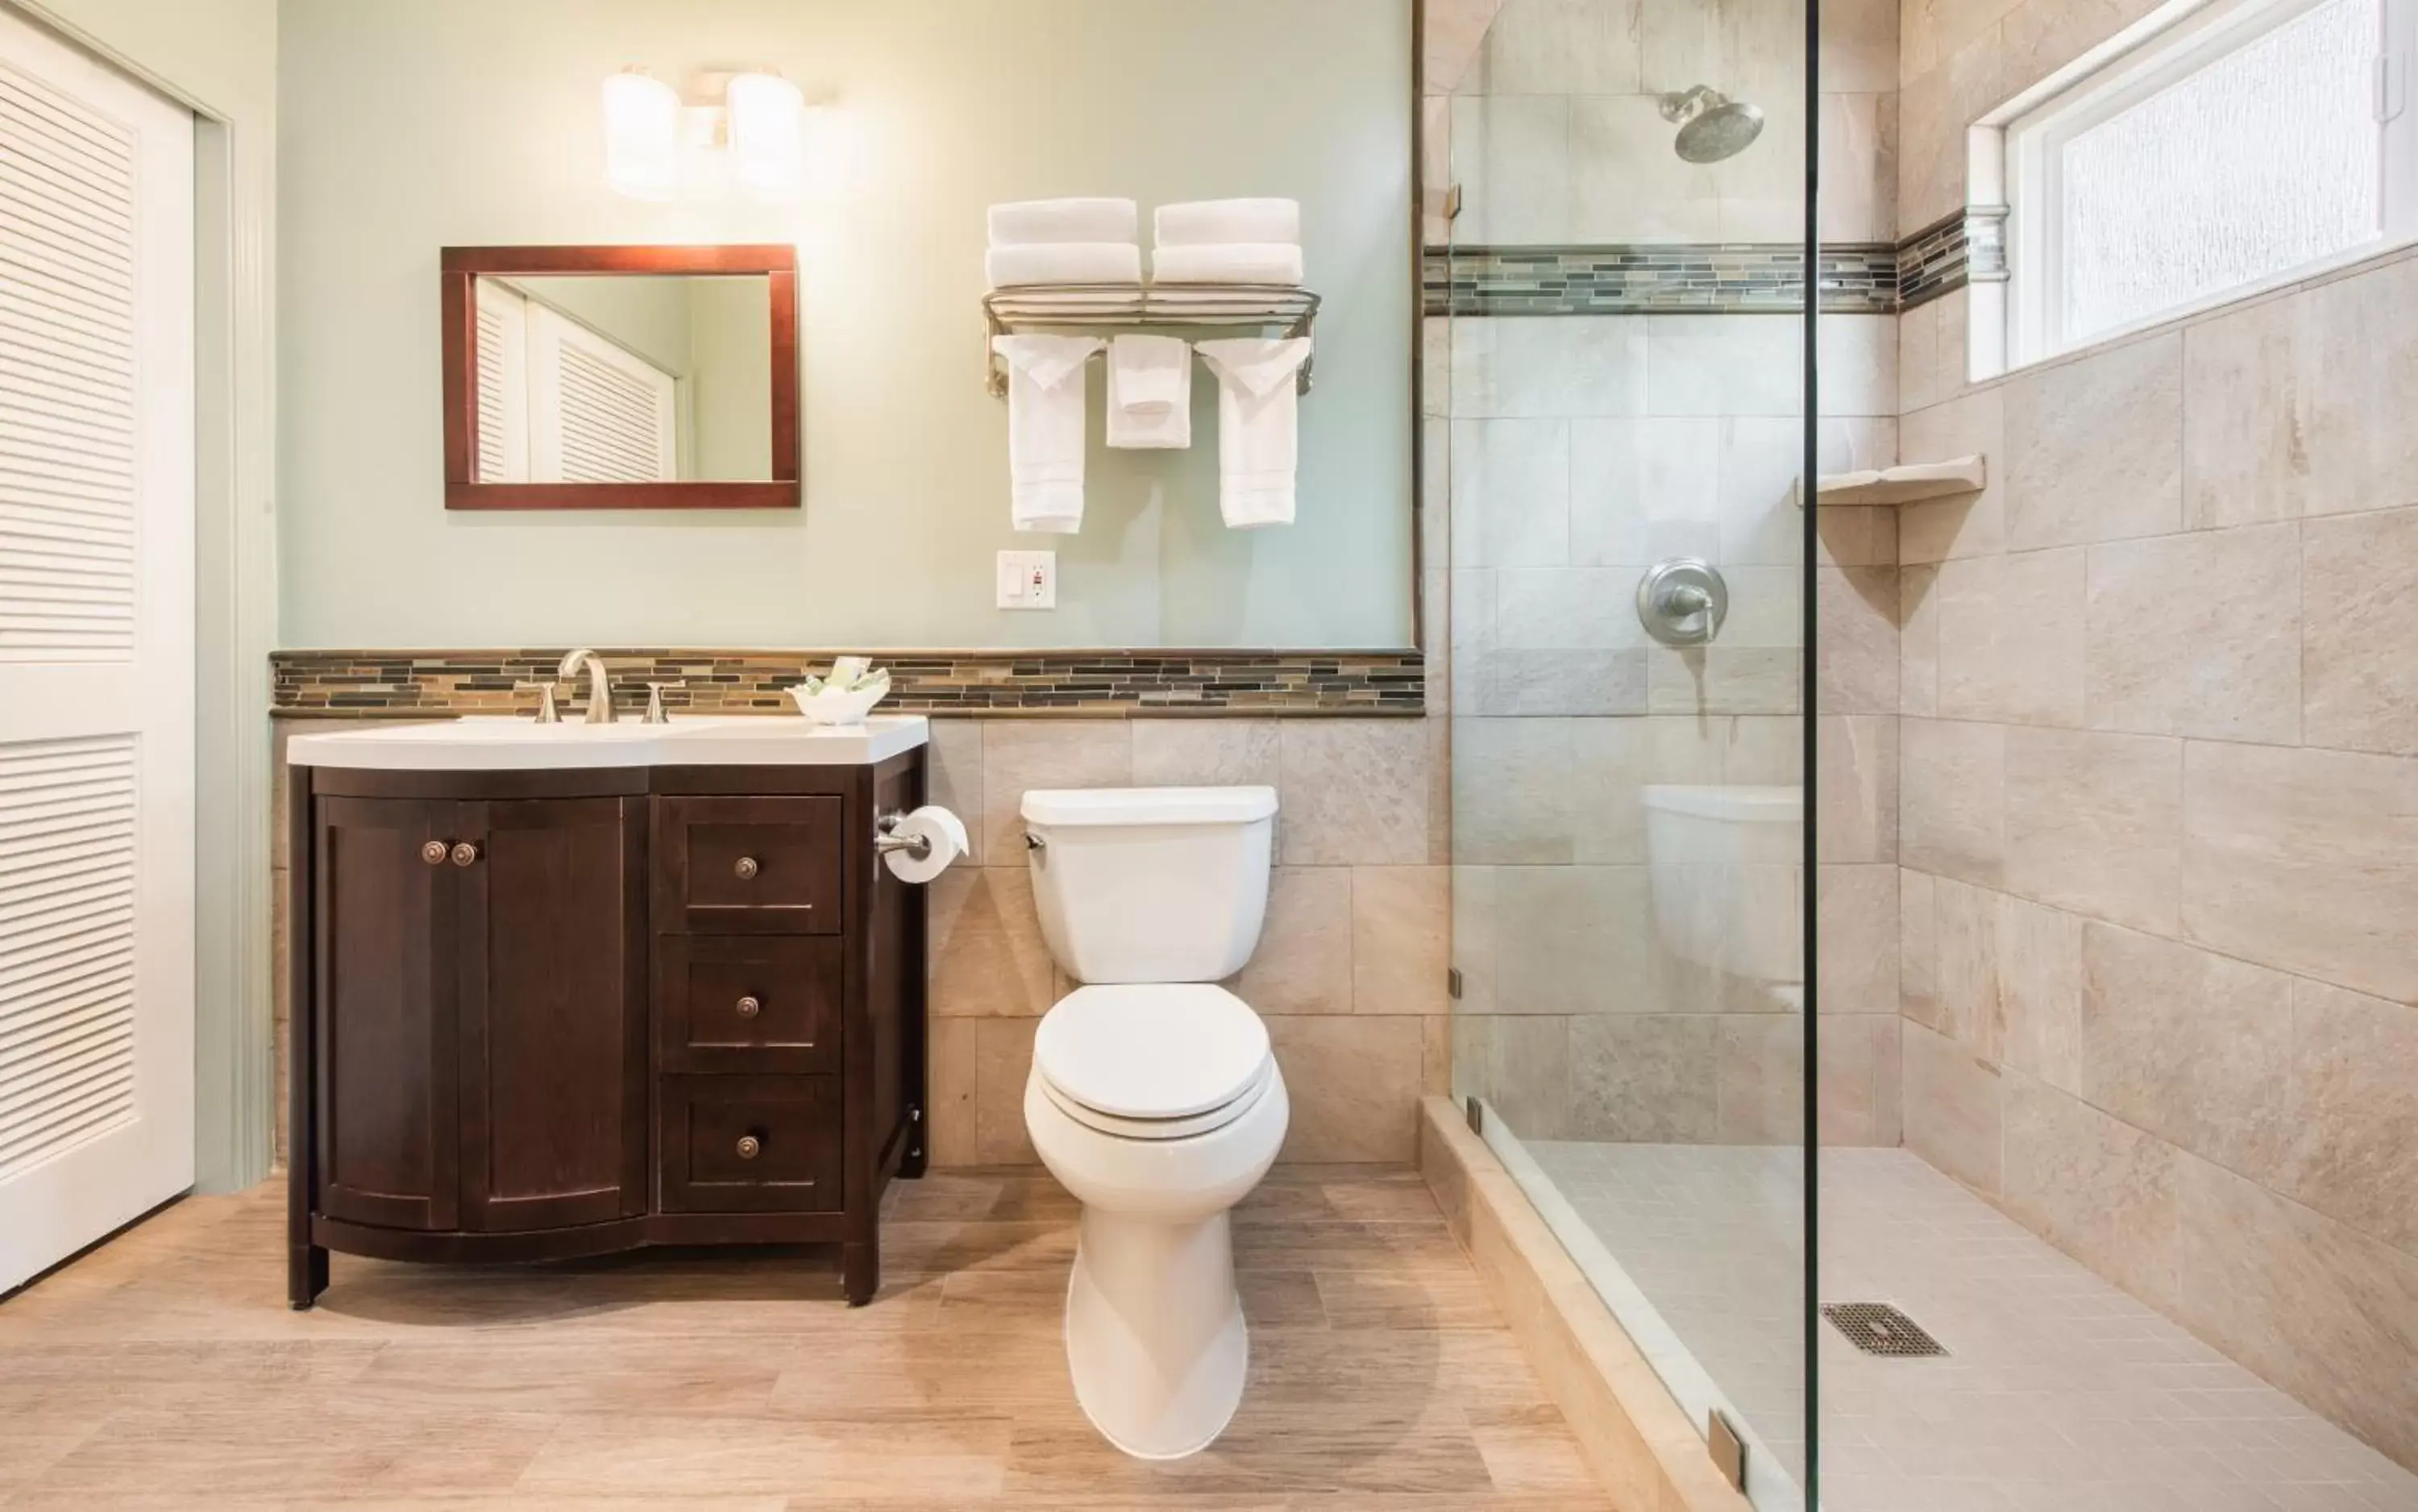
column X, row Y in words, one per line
column 641, row 136
column 768, row 141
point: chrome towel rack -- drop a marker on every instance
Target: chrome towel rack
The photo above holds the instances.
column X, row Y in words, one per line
column 1291, row 310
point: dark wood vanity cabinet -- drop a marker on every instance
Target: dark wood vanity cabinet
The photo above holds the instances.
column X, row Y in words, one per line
column 547, row 1014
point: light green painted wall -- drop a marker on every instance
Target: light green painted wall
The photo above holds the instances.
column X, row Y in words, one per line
column 409, row 125
column 730, row 343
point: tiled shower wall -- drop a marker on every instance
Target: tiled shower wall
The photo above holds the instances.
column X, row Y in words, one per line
column 1350, row 974
column 2160, row 764
column 1580, row 450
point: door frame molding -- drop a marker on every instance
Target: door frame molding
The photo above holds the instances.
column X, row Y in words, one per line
column 211, row 68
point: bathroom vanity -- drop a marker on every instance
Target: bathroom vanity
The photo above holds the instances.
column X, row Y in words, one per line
column 561, row 990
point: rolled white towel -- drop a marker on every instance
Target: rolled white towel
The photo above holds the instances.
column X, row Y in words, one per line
column 1201, row 222
column 1247, row 262
column 1063, row 261
column 1025, row 223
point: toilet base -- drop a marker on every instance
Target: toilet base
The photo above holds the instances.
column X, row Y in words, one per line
column 1156, row 1339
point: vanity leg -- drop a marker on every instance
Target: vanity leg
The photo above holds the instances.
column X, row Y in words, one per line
column 860, row 1271
column 306, row 1276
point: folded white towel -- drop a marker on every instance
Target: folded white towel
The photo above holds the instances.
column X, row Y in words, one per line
column 1201, row 223
column 1150, row 393
column 1238, row 262
column 1046, row 390
column 1026, row 221
column 1063, row 261
column 1258, row 440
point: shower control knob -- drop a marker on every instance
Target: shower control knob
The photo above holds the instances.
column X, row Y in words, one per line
column 1682, row 601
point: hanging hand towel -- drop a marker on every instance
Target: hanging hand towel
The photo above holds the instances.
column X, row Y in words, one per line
column 1257, row 436
column 1046, row 392
column 1150, row 393
column 1063, row 261
column 1239, row 262
column 1201, row 223
column 1026, row 221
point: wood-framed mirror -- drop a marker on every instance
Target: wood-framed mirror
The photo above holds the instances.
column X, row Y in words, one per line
column 621, row 377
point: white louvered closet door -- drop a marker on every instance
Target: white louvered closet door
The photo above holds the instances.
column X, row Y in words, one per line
column 96, row 650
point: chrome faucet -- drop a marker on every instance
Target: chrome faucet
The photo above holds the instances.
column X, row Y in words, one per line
column 600, row 687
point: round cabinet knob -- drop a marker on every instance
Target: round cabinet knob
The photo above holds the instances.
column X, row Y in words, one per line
column 434, row 852
column 465, row 853
column 749, row 1007
column 745, row 868
column 750, row 1147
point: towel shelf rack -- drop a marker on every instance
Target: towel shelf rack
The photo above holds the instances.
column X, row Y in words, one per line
column 1143, row 307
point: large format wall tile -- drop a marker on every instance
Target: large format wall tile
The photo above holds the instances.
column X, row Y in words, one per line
column 2359, row 593
column 1953, row 786
column 2199, row 633
column 2298, row 406
column 1644, row 489
column 2094, row 823
column 1355, row 792
column 2011, row 638
column 1936, row 106
column 1401, row 939
column 1354, row 1086
column 1511, row 157
column 1512, row 796
column 1511, row 492
column 1952, row 1108
column 2095, row 1186
column 1857, row 659
column 2304, row 859
column 1019, row 754
column 2194, row 1047
column 1856, row 963
column 2040, row 991
column 1555, row 47
column 1575, row 939
column 2351, row 1146
column 2094, row 446
column 1964, row 1000
column 1651, row 1078
column 984, row 957
column 1972, row 525
column 1303, row 964
column 1205, row 752
column 1857, row 777
column 1580, row 365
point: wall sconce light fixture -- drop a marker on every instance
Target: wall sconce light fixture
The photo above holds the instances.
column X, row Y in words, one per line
column 658, row 146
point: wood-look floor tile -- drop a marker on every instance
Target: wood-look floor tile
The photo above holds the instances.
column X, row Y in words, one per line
column 297, row 1442
column 1261, row 1453
column 903, row 1462
column 1424, row 1297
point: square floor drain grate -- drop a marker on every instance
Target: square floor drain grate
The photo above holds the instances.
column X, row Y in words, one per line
column 1877, row 1328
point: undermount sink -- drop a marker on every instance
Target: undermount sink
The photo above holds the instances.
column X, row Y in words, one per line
column 506, row 744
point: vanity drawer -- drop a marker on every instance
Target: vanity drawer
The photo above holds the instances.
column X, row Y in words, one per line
column 762, row 1003
column 749, row 1144
column 748, row 866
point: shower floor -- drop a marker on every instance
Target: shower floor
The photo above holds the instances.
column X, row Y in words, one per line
column 2059, row 1393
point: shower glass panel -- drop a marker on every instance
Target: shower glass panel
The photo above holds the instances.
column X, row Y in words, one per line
column 1627, row 419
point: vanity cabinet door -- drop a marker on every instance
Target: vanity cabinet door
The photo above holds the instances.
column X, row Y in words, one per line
column 550, row 954
column 385, row 1033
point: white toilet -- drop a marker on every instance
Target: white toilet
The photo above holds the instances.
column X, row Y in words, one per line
column 1728, row 878
column 1153, row 1096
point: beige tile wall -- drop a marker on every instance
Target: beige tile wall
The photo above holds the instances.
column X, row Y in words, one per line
column 2159, row 896
column 1350, row 972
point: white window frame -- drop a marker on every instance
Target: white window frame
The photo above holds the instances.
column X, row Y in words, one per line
column 2013, row 154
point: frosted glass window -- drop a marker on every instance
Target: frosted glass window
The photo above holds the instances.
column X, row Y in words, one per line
column 2266, row 157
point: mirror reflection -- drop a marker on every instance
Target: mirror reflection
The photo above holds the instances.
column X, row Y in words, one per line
column 624, row 378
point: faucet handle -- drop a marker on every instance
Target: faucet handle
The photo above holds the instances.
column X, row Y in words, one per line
column 546, row 711
column 656, row 713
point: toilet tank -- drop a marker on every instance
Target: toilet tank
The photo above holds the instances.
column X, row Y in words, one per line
column 1726, row 869
column 1150, row 884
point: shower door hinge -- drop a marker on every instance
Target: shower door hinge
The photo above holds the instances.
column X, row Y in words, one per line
column 1452, row 983
column 1452, row 201
column 1727, row 1449
column 1476, row 1115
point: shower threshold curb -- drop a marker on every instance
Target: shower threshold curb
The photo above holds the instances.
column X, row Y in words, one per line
column 1638, row 1442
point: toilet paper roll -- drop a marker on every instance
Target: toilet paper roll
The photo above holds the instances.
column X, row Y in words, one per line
column 945, row 840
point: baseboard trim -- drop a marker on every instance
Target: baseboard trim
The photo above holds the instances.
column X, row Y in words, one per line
column 1645, row 1453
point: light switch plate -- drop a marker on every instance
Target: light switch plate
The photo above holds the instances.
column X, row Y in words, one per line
column 1028, row 580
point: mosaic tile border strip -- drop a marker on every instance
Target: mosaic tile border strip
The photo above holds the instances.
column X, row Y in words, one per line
column 1697, row 278
column 1693, row 278
column 432, row 684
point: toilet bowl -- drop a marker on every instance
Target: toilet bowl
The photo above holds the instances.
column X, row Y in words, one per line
column 1154, row 1097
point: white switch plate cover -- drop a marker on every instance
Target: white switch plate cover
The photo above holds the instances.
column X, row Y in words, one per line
column 1028, row 580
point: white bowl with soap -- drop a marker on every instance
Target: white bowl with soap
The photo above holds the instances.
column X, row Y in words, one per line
column 846, row 697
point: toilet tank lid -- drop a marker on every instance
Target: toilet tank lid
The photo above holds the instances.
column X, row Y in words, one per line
column 1079, row 806
column 1766, row 804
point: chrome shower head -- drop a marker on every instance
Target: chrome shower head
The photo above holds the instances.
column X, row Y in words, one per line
column 1712, row 126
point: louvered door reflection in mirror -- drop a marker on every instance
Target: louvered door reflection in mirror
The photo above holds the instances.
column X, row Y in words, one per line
column 621, row 377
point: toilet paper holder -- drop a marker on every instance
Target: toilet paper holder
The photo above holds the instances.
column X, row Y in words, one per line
column 884, row 842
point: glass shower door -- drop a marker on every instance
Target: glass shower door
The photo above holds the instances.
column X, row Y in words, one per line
column 1627, row 422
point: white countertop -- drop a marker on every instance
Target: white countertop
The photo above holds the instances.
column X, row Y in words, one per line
column 510, row 744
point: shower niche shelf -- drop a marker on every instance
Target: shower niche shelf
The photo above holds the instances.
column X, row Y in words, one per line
column 1910, row 484
column 1289, row 309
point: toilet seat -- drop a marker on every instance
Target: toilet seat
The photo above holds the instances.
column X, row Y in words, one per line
column 1153, row 1060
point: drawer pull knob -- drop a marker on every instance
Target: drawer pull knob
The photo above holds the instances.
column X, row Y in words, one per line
column 434, row 852
column 750, row 1147
column 465, row 853
column 749, row 1007
column 746, row 869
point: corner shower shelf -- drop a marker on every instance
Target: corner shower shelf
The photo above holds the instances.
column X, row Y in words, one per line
column 1290, row 308
column 1910, row 484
